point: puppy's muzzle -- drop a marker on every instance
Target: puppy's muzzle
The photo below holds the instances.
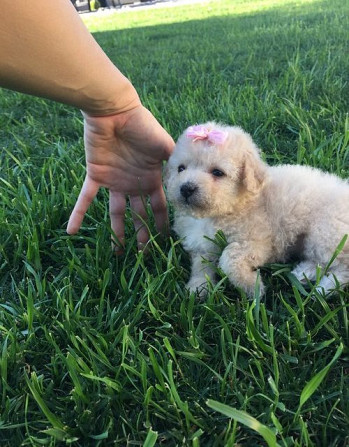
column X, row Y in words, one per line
column 188, row 189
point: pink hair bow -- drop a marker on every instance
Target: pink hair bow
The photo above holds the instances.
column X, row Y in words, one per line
column 201, row 132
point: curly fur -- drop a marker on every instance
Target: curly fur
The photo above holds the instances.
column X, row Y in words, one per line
column 268, row 214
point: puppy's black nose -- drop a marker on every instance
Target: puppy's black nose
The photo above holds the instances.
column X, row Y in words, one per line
column 188, row 189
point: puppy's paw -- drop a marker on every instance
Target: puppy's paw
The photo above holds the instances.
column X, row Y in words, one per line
column 254, row 289
column 198, row 286
column 327, row 285
column 305, row 271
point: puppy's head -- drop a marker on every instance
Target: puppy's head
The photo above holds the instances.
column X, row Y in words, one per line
column 213, row 170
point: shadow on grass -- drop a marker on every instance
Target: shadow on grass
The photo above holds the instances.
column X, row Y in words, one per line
column 240, row 68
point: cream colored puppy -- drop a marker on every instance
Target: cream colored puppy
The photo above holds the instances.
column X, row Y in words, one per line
column 216, row 180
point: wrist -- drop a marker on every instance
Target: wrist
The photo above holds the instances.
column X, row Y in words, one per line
column 110, row 98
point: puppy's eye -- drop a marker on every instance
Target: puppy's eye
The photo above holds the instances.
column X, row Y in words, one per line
column 217, row 173
column 181, row 168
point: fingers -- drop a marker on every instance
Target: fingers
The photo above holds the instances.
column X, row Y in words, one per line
column 159, row 207
column 117, row 208
column 139, row 216
column 87, row 194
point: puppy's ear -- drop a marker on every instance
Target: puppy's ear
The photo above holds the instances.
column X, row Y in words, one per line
column 252, row 173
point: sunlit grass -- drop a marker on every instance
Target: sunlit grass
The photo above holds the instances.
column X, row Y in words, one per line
column 98, row 350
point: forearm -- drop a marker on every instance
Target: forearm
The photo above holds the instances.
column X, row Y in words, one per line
column 46, row 50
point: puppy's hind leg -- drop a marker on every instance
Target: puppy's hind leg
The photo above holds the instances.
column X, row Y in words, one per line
column 337, row 271
column 305, row 270
column 338, row 275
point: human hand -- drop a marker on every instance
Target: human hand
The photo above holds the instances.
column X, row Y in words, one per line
column 124, row 153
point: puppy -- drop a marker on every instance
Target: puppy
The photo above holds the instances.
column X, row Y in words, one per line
column 216, row 180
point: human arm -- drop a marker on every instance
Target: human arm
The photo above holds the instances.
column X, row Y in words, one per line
column 47, row 51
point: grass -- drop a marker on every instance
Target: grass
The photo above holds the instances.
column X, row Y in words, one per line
column 97, row 350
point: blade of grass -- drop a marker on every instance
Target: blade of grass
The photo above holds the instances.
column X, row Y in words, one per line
column 316, row 381
column 151, row 438
column 244, row 418
column 33, row 385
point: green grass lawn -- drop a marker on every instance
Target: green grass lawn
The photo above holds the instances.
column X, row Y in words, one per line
column 98, row 350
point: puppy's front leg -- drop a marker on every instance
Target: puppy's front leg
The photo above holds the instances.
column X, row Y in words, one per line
column 240, row 262
column 200, row 270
